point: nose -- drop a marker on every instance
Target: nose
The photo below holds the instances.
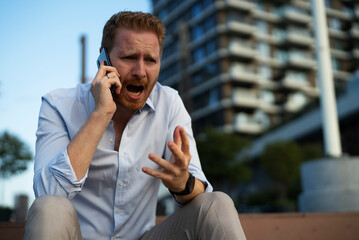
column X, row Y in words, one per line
column 139, row 69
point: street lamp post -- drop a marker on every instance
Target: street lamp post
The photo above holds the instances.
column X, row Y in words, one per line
column 330, row 184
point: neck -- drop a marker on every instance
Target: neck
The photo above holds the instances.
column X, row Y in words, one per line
column 122, row 114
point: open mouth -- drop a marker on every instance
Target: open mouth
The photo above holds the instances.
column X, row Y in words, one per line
column 134, row 90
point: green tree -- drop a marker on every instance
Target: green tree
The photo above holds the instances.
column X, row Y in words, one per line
column 14, row 155
column 281, row 161
column 219, row 156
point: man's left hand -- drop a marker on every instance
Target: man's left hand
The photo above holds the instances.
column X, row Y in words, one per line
column 174, row 173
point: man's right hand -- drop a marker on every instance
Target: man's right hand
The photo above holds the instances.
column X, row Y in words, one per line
column 100, row 89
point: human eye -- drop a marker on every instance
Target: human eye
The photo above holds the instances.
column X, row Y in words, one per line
column 129, row 58
column 150, row 60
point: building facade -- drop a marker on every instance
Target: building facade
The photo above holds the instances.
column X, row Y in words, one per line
column 246, row 66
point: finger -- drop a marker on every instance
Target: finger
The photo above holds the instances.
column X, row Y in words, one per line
column 160, row 162
column 185, row 142
column 180, row 158
column 113, row 79
column 176, row 136
column 103, row 70
column 153, row 173
column 156, row 173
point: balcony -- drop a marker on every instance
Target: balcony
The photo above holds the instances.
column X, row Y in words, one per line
column 241, row 4
column 300, row 62
column 292, row 15
column 244, row 97
column 243, row 73
column 245, row 123
column 241, row 49
column 296, row 39
column 354, row 32
column 242, row 28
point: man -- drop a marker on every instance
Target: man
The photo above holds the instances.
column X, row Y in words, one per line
column 107, row 152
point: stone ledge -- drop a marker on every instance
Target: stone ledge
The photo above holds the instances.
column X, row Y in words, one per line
column 282, row 226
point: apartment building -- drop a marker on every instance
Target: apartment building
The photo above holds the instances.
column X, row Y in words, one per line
column 246, row 66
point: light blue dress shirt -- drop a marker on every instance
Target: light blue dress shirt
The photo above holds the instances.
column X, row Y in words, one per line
column 115, row 199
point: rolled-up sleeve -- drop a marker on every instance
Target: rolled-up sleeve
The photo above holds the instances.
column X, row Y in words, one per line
column 54, row 174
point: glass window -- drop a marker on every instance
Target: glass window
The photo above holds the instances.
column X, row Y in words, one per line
column 337, row 44
column 334, row 23
column 197, row 32
column 281, row 55
column 262, row 26
column 206, row 3
column 298, row 77
column 279, row 33
column 263, row 49
column 198, row 54
column 211, row 47
column 335, row 63
column 262, row 118
column 267, row 96
column 297, row 100
column 196, row 9
column 265, row 72
column 213, row 96
column 210, row 23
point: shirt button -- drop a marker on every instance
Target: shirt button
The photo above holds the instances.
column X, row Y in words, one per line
column 111, row 140
column 114, row 238
column 122, row 155
column 121, row 183
column 118, row 211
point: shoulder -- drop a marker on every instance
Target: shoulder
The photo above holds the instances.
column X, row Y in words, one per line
column 162, row 93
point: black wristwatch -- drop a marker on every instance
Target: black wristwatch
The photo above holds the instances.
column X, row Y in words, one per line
column 189, row 186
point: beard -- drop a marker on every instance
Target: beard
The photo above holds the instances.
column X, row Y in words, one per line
column 134, row 93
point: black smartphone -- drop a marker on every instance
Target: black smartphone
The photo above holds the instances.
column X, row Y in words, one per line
column 104, row 57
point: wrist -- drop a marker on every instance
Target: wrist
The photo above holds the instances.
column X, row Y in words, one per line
column 188, row 187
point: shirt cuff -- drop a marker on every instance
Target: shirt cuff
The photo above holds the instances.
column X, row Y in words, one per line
column 63, row 172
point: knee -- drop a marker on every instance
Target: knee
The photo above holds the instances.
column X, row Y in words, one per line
column 51, row 206
column 214, row 205
column 217, row 199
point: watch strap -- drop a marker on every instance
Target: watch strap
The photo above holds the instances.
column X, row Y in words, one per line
column 189, row 186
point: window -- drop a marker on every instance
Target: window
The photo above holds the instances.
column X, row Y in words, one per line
column 267, row 96
column 198, row 54
column 262, row 26
column 265, row 72
column 335, row 63
column 279, row 33
column 213, row 96
column 197, row 32
column 297, row 77
column 196, row 9
column 281, row 55
column 263, row 49
column 334, row 23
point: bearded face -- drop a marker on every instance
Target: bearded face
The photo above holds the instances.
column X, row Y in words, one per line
column 136, row 56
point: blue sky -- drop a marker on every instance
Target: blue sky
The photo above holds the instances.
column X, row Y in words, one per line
column 40, row 51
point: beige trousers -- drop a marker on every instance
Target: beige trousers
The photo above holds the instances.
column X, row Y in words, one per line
column 209, row 216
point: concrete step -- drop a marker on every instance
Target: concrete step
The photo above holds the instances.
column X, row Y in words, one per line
column 283, row 226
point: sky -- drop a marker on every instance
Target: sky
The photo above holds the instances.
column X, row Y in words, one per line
column 40, row 51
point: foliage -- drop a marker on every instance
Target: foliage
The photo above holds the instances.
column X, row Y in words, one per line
column 281, row 161
column 218, row 152
column 14, row 155
column 312, row 151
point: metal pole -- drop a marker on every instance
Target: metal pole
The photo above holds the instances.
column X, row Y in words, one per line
column 325, row 79
column 83, row 58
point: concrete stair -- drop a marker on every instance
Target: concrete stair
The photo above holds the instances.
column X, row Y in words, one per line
column 283, row 226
